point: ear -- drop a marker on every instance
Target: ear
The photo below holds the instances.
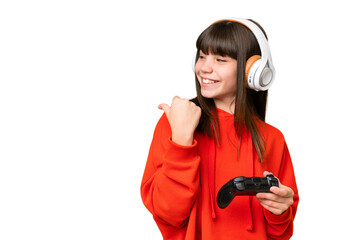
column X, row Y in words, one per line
column 249, row 63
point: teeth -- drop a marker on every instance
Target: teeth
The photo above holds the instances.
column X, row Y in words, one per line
column 208, row 81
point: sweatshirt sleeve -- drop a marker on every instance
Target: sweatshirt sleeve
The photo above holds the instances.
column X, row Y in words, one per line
column 281, row 226
column 171, row 178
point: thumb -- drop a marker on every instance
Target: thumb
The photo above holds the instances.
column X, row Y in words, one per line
column 164, row 107
column 266, row 173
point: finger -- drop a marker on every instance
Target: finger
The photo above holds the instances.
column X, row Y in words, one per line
column 275, row 200
column 176, row 98
column 265, row 173
column 282, row 191
column 275, row 207
column 164, row 107
column 273, row 204
column 274, row 210
column 269, row 197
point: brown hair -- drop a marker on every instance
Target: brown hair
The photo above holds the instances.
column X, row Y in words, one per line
column 233, row 39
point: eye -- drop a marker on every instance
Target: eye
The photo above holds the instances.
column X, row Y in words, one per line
column 202, row 55
column 221, row 60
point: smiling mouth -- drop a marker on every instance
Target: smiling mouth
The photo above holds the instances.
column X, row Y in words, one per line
column 207, row 81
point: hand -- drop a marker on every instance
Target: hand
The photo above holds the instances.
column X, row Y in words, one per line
column 183, row 116
column 279, row 200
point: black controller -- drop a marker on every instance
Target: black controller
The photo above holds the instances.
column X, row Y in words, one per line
column 244, row 186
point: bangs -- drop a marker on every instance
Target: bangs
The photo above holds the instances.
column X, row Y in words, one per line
column 218, row 40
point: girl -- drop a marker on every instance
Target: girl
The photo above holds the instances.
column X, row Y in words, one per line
column 199, row 145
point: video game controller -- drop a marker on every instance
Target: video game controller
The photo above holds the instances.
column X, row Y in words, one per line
column 243, row 186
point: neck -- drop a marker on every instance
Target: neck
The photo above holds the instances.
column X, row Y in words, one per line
column 227, row 106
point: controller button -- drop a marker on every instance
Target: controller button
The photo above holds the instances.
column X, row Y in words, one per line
column 240, row 186
column 239, row 179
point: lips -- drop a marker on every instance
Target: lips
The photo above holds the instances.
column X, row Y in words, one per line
column 208, row 81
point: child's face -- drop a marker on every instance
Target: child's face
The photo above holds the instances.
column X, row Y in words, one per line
column 217, row 77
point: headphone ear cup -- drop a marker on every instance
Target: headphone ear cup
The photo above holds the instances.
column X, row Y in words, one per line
column 193, row 63
column 249, row 63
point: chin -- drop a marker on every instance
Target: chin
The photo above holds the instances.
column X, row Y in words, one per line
column 207, row 94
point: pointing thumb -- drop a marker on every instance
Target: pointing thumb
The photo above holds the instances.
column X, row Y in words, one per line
column 164, row 107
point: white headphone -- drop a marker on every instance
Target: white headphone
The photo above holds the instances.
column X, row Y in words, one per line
column 259, row 70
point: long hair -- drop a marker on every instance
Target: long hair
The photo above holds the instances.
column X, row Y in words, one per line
column 233, row 39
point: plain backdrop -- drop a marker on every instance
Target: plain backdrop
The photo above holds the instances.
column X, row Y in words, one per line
column 80, row 82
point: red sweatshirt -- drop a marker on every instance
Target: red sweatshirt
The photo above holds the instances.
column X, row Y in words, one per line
column 180, row 184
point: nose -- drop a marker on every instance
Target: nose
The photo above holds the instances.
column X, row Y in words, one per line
column 205, row 65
